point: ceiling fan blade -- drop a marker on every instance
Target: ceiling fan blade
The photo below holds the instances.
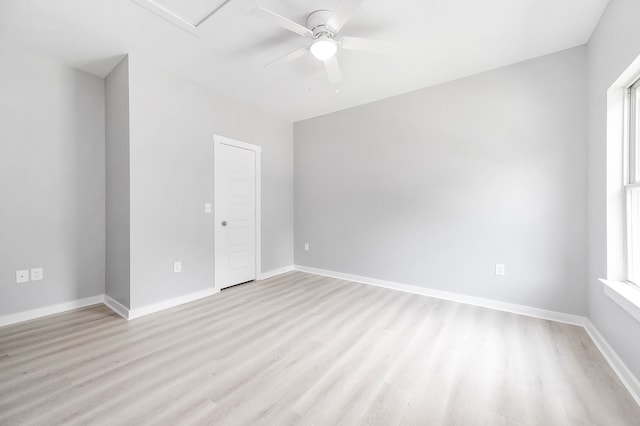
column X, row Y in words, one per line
column 333, row 70
column 289, row 56
column 342, row 13
column 282, row 21
column 366, row 44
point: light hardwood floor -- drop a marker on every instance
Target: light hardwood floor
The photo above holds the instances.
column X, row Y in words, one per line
column 303, row 349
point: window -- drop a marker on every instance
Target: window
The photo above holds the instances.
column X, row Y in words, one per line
column 632, row 184
column 622, row 283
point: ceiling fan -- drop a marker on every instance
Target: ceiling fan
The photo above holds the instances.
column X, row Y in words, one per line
column 322, row 27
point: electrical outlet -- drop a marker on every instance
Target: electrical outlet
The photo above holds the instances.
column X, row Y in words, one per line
column 306, row 246
column 22, row 276
column 499, row 269
column 37, row 274
column 177, row 267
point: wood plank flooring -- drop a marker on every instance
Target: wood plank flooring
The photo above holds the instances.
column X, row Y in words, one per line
column 308, row 350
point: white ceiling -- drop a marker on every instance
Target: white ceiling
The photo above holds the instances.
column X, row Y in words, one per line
column 436, row 41
column 192, row 11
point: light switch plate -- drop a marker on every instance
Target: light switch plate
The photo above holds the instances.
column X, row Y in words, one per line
column 499, row 269
column 207, row 207
column 37, row 274
column 22, row 276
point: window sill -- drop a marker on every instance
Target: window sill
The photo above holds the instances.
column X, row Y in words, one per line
column 625, row 295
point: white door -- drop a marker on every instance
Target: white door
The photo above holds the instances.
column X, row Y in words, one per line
column 235, row 186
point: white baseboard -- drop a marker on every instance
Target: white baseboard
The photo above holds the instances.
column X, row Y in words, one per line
column 116, row 306
column 275, row 272
column 455, row 297
column 170, row 303
column 108, row 301
column 626, row 376
column 50, row 310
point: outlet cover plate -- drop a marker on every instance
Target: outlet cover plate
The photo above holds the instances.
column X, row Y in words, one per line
column 22, row 276
column 37, row 274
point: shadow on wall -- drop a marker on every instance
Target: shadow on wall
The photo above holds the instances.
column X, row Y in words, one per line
column 86, row 175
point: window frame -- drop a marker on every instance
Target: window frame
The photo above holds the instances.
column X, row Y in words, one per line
column 632, row 172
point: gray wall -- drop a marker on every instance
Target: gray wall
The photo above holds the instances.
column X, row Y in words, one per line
column 434, row 187
column 117, row 183
column 51, row 181
column 171, row 153
column 613, row 46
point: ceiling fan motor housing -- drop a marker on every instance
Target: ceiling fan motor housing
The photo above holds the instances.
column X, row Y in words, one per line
column 317, row 22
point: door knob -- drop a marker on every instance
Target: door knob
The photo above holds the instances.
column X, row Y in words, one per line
column 224, row 223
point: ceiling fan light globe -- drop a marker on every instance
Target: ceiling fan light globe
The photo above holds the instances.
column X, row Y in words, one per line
column 324, row 48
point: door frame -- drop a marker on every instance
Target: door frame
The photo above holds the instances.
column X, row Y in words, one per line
column 219, row 140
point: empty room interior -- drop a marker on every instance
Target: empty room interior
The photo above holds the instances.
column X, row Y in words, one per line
column 239, row 212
